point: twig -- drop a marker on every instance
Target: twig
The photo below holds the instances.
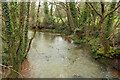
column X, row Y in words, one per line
column 114, row 28
column 4, row 38
column 79, row 13
column 9, row 67
column 95, row 9
column 60, row 16
column 112, row 11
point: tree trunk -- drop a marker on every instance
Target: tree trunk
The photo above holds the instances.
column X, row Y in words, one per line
column 71, row 20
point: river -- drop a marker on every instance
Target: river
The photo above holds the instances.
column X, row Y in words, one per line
column 54, row 57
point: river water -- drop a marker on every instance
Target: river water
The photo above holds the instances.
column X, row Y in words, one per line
column 53, row 57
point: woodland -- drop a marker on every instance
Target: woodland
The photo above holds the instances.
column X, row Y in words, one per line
column 95, row 25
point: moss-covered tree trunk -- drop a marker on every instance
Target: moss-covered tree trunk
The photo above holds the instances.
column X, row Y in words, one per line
column 8, row 28
column 26, row 29
column 16, row 38
column 74, row 12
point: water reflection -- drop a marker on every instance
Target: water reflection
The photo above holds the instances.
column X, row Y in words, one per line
column 53, row 57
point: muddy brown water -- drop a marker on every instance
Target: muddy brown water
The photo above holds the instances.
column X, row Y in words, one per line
column 53, row 57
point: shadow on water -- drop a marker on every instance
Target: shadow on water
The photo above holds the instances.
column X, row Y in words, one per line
column 53, row 57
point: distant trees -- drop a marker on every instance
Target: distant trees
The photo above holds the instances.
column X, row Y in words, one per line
column 46, row 12
column 33, row 13
column 51, row 9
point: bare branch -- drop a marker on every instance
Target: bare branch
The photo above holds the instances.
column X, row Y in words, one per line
column 3, row 37
column 79, row 13
column 95, row 9
column 115, row 26
column 112, row 11
column 60, row 15
column 9, row 67
column 63, row 4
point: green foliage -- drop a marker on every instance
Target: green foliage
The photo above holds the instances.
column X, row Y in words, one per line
column 5, row 59
column 87, row 18
column 79, row 41
column 15, row 31
column 113, row 53
column 33, row 10
column 85, row 14
column 46, row 10
column 15, row 35
column 61, row 29
column 93, row 43
column 74, row 12
column 51, row 19
column 98, row 50
column 58, row 29
column 73, row 9
column 77, row 30
column 110, row 20
column 3, row 38
column 93, row 50
column 8, row 29
column 76, row 40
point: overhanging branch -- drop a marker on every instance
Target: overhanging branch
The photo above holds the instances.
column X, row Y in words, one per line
column 95, row 9
column 112, row 11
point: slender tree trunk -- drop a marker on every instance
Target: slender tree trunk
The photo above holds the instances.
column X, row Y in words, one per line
column 70, row 17
column 33, row 13
column 26, row 28
column 8, row 27
column 37, row 23
column 74, row 14
column 51, row 9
